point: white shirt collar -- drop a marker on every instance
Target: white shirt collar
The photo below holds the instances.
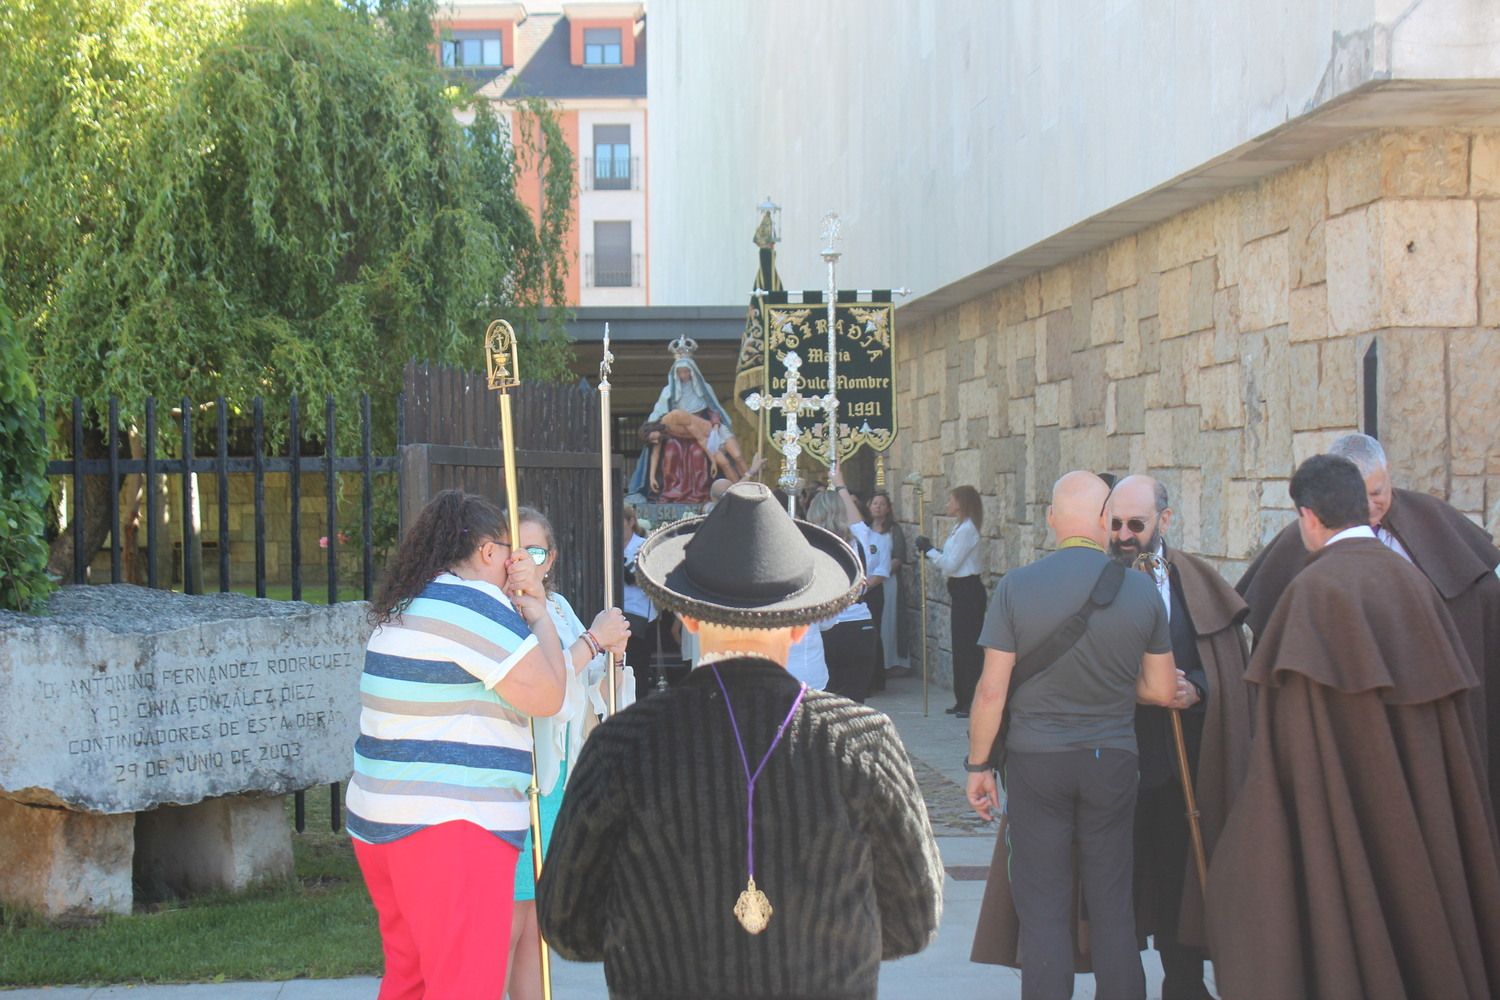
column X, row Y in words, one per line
column 1358, row 531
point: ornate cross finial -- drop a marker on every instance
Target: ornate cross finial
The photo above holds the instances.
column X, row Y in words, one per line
column 828, row 232
column 683, row 347
column 793, row 404
column 606, row 363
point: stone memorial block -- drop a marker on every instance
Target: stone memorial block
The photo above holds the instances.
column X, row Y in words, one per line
column 122, row 699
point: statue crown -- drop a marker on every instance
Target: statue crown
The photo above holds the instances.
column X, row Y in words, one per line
column 683, row 347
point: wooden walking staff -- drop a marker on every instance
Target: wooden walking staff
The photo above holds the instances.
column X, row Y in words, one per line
column 607, row 504
column 1190, row 798
column 503, row 370
column 1143, row 562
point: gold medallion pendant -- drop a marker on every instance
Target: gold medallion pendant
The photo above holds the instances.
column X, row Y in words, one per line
column 753, row 909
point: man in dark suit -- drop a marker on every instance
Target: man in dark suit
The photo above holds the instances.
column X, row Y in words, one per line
column 1204, row 614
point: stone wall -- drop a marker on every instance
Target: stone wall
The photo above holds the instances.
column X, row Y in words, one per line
column 1221, row 347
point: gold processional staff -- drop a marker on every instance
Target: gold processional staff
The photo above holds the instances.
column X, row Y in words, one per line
column 503, row 371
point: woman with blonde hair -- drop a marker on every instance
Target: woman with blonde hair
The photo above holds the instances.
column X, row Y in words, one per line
column 959, row 561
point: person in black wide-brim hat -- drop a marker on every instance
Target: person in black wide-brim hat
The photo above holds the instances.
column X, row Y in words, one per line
column 727, row 838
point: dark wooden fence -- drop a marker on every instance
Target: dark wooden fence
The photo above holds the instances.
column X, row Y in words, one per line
column 452, row 422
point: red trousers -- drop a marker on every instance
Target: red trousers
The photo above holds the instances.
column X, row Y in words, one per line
column 444, row 897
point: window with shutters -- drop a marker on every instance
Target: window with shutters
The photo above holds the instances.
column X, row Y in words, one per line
column 474, row 50
column 612, row 157
column 612, row 258
column 601, row 46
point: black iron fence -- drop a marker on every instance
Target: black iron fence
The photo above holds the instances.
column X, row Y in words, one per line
column 221, row 466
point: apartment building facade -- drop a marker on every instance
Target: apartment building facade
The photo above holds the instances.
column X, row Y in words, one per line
column 589, row 61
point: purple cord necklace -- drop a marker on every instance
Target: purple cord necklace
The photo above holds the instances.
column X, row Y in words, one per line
column 753, row 909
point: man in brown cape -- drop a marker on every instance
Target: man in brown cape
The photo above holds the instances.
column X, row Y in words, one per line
column 1208, row 645
column 1458, row 556
column 1359, row 859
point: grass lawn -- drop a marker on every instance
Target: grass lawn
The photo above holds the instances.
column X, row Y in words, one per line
column 320, row 925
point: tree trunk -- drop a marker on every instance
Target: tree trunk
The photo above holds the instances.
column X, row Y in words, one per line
column 96, row 526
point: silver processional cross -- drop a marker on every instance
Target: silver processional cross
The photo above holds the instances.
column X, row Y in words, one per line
column 792, row 403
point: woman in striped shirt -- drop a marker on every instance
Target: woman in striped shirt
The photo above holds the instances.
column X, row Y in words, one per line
column 464, row 654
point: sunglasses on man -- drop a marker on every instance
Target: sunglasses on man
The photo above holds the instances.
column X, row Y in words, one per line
column 1137, row 525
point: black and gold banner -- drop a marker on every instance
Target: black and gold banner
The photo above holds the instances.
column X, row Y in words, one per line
column 865, row 338
column 750, row 368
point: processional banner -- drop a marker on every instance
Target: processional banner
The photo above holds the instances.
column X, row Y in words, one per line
column 750, row 368
column 865, row 369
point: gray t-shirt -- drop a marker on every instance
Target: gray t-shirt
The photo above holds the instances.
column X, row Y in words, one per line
column 1086, row 699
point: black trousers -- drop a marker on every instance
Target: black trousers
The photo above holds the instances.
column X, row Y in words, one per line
column 849, row 650
column 1051, row 800
column 1163, row 847
column 964, row 622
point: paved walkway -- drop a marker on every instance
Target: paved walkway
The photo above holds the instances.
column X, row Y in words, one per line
column 937, row 744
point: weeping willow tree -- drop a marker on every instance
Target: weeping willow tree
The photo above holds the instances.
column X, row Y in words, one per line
column 209, row 198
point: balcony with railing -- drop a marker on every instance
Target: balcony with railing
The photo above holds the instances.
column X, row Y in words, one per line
column 615, row 174
column 612, row 270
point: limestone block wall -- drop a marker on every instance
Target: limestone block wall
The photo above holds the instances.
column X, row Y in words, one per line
column 1218, row 349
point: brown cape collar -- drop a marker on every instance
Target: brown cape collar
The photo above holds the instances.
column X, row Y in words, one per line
column 1212, row 603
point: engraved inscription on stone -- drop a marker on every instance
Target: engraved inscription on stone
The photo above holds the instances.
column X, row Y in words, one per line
column 111, row 722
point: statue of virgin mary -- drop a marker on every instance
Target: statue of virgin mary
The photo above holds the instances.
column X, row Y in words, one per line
column 688, row 436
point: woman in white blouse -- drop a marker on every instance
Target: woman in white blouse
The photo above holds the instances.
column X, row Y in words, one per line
column 959, row 561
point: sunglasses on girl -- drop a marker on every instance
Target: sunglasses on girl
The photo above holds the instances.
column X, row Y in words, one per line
column 538, row 553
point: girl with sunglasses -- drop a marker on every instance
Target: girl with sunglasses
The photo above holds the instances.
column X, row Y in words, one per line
column 560, row 737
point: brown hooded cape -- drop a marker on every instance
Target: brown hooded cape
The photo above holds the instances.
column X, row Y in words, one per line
column 1458, row 556
column 1216, row 611
column 1359, row 859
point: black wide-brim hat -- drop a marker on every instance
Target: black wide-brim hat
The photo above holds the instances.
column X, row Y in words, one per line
column 749, row 564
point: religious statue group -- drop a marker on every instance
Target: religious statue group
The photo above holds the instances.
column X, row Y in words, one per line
column 687, row 440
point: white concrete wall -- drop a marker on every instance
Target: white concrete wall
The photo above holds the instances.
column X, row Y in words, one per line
column 951, row 134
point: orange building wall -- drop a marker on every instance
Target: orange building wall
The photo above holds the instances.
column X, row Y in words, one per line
column 627, row 39
column 529, row 187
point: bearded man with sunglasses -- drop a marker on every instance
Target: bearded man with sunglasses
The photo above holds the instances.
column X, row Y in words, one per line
column 1204, row 614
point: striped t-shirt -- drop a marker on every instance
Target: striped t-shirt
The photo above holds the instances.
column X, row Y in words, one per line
column 436, row 742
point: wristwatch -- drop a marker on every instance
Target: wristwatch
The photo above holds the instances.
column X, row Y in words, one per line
column 976, row 768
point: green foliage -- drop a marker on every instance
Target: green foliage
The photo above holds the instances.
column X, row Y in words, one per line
column 23, row 480
column 216, row 197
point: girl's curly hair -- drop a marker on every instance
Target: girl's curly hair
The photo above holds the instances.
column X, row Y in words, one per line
column 447, row 532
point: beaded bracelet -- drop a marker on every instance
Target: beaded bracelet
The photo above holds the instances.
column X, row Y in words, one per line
column 594, row 646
